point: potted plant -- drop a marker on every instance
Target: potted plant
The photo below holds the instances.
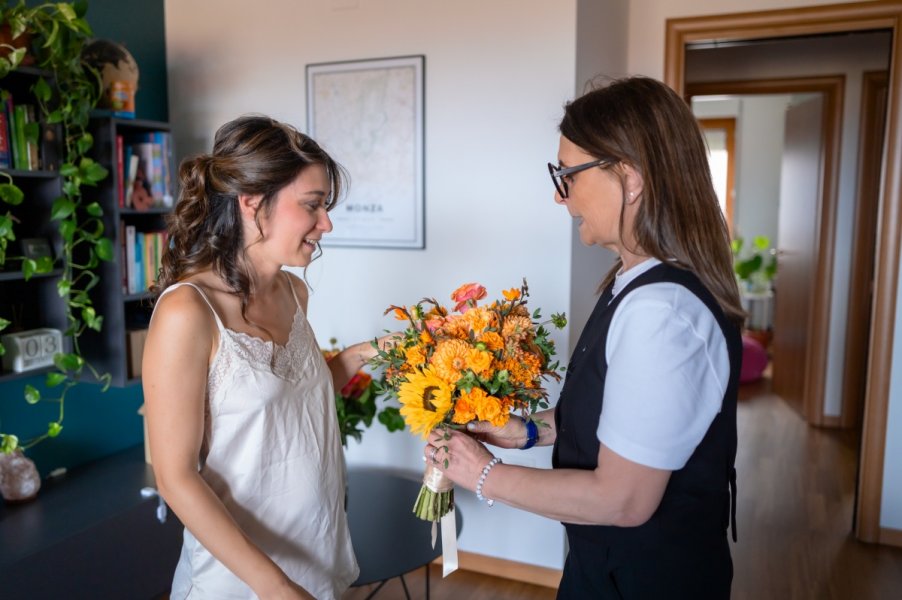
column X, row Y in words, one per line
column 58, row 33
column 755, row 267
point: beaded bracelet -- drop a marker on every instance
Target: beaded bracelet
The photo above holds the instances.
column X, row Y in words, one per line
column 482, row 476
column 532, row 434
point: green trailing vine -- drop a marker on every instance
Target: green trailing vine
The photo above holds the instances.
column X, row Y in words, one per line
column 59, row 32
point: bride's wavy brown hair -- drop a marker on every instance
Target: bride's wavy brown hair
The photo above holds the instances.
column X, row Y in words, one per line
column 641, row 122
column 252, row 155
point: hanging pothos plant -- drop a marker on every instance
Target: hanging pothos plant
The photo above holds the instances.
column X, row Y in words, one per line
column 58, row 33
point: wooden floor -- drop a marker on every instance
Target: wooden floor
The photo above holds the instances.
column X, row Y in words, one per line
column 796, row 487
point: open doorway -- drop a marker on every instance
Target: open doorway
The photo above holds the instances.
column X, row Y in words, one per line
column 724, row 33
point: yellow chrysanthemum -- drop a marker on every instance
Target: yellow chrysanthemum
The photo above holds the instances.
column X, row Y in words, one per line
column 415, row 356
column 450, row 359
column 492, row 340
column 425, row 401
column 479, row 361
column 516, row 327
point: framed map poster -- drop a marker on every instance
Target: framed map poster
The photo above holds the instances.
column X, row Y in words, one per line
column 368, row 115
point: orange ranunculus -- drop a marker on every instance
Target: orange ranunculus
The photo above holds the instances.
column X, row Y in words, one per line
column 463, row 410
column 487, row 408
column 356, row 386
column 511, row 294
column 467, row 295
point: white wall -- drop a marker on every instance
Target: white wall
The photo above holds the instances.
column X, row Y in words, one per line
column 646, row 56
column 601, row 29
column 497, row 74
column 758, row 148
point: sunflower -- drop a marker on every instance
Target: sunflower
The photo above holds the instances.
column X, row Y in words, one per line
column 425, row 401
column 450, row 359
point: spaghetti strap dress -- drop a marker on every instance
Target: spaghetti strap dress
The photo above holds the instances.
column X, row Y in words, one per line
column 273, row 456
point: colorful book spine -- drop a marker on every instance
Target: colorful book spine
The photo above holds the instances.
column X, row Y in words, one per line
column 20, row 149
column 6, row 149
column 120, row 171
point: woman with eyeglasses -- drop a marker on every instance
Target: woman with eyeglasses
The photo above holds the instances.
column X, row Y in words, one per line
column 644, row 432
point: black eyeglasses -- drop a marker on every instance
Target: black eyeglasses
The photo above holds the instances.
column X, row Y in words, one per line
column 558, row 173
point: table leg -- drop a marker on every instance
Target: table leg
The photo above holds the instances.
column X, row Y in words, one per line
column 404, row 583
column 375, row 591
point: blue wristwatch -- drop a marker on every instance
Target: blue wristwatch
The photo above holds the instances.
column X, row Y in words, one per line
column 532, row 434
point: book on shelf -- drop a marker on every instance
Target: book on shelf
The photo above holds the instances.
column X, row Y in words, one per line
column 120, row 171
column 154, row 172
column 5, row 147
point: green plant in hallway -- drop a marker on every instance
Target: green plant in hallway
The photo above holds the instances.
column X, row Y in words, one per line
column 65, row 97
column 755, row 266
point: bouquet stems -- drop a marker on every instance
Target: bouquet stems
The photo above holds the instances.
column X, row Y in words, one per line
column 436, row 497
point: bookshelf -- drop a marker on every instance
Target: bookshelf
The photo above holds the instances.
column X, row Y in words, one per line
column 33, row 303
column 125, row 308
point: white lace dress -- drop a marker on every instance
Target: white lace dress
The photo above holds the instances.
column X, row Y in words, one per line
column 272, row 455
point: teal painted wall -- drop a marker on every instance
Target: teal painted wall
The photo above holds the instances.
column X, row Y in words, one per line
column 98, row 424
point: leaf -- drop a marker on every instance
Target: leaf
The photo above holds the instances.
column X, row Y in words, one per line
column 44, row 265
column 16, row 56
column 8, row 443
column 68, row 362
column 28, row 268
column 68, row 170
column 83, row 144
column 3, row 323
column 32, row 395
column 54, row 379
column 67, row 229
column 104, row 249
column 53, row 429
column 42, row 90
column 63, row 287
column 94, row 209
column 11, row 194
column 62, row 208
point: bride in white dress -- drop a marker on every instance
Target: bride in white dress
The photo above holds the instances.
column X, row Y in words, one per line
column 240, row 403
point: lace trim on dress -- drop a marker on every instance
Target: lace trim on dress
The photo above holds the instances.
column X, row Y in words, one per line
column 239, row 352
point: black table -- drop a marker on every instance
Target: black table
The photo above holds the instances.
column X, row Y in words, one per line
column 389, row 540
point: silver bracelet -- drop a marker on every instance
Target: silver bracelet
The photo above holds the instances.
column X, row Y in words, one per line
column 482, row 476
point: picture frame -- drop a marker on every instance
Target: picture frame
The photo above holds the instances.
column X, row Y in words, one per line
column 369, row 116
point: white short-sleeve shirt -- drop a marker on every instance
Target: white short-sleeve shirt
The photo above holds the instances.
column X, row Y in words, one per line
column 668, row 369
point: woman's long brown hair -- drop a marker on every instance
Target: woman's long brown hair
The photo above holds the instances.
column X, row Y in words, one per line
column 643, row 123
column 252, row 155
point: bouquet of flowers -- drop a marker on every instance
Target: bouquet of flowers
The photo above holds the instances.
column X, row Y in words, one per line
column 355, row 404
column 472, row 362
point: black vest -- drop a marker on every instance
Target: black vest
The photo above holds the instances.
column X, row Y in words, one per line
column 696, row 506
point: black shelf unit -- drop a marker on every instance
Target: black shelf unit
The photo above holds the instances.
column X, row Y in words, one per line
column 121, row 311
column 34, row 303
